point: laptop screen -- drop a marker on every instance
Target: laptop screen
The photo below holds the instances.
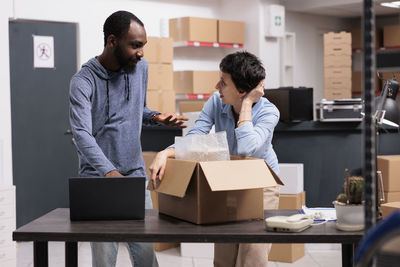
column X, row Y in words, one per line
column 105, row 198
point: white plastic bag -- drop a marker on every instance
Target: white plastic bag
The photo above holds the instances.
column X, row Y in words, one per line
column 208, row 147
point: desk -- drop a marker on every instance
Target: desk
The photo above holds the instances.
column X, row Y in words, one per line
column 56, row 226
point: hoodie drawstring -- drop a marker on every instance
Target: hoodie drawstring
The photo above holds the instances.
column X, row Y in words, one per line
column 108, row 101
column 127, row 87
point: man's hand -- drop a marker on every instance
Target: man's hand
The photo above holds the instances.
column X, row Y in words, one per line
column 254, row 95
column 113, row 173
column 170, row 119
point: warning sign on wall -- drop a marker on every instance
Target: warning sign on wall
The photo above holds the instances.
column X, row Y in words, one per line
column 43, row 51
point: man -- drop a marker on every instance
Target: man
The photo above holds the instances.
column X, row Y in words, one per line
column 107, row 109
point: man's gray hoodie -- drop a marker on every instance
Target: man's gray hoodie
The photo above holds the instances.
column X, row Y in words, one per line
column 107, row 110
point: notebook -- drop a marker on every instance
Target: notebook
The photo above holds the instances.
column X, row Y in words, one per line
column 100, row 198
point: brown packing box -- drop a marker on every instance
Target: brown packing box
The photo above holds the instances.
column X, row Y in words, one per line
column 340, row 61
column 195, row 81
column 148, row 157
column 337, row 83
column 286, row 252
column 160, row 77
column 215, row 191
column 337, row 73
column 393, row 196
column 332, row 38
column 357, row 41
column 193, row 29
column 159, row 50
column 337, row 49
column 356, row 82
column 388, row 208
column 391, row 35
column 389, row 165
column 191, row 105
column 292, row 202
column 160, row 100
column 231, row 32
column 337, row 93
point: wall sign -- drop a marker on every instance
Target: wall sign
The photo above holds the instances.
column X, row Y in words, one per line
column 274, row 21
column 43, row 51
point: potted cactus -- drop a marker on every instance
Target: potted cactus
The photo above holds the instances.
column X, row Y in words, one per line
column 350, row 204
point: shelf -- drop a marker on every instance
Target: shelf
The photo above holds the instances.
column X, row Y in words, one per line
column 205, row 44
column 379, row 49
column 192, row 96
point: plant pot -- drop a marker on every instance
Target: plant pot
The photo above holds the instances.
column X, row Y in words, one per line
column 349, row 217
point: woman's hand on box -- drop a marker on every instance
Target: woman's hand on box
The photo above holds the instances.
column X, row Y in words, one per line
column 157, row 167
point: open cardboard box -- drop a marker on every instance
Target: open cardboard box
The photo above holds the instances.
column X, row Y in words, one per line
column 215, row 191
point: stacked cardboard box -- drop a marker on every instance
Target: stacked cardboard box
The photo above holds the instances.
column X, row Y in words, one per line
column 195, row 81
column 292, row 197
column 232, row 32
column 391, row 36
column 160, row 94
column 288, row 252
column 389, row 165
column 390, row 207
column 148, row 157
column 337, row 65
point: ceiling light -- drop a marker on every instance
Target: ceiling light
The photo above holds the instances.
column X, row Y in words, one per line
column 394, row 4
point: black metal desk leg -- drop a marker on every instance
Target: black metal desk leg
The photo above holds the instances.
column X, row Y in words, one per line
column 347, row 255
column 71, row 254
column 40, row 254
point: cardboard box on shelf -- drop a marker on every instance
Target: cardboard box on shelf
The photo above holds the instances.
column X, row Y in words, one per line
column 160, row 100
column 148, row 157
column 338, row 73
column 391, row 35
column 191, row 105
column 231, row 32
column 215, row 191
column 292, row 175
column 337, row 50
column 389, row 165
column 193, row 29
column 337, row 38
column 340, row 61
column 392, row 196
column 337, row 93
column 160, row 77
column 158, row 50
column 357, row 41
column 388, row 208
column 356, row 82
column 195, row 81
column 337, row 83
column 291, row 201
column 286, row 252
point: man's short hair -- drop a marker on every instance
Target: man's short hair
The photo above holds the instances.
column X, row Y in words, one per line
column 118, row 23
column 246, row 70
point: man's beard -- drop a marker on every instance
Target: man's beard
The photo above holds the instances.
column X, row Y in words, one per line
column 123, row 61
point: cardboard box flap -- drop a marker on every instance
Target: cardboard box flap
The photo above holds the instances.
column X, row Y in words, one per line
column 176, row 177
column 276, row 177
column 237, row 174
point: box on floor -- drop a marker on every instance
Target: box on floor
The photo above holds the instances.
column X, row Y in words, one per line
column 288, row 252
column 148, row 157
column 160, row 77
column 195, row 82
column 159, row 50
column 189, row 188
column 193, row 29
column 160, row 100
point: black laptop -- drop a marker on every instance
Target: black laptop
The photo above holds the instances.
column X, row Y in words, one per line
column 103, row 198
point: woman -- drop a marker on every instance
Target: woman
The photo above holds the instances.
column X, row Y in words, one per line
column 249, row 121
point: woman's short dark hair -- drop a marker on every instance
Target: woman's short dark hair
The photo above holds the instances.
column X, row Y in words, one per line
column 246, row 70
column 118, row 23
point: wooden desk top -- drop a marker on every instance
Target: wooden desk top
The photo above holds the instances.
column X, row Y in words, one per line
column 56, row 226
